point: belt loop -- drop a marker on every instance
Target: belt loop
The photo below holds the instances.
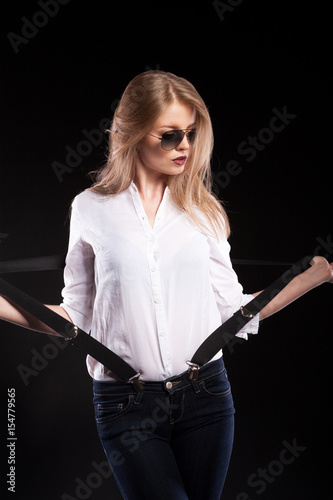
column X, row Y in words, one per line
column 196, row 386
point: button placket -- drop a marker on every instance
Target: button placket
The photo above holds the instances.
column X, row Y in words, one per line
column 140, row 210
column 153, row 265
column 153, row 262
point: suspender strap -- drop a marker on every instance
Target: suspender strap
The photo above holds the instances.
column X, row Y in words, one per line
column 224, row 334
column 77, row 337
column 72, row 334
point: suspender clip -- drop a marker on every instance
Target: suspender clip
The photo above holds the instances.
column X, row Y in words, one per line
column 137, row 382
column 73, row 332
column 246, row 313
column 193, row 370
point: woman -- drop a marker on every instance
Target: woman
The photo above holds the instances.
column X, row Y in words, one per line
column 148, row 272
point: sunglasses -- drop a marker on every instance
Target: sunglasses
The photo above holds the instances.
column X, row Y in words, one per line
column 171, row 139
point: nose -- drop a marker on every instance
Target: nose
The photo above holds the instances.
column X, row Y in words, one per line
column 184, row 145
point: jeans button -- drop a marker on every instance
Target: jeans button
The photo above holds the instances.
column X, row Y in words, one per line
column 168, row 385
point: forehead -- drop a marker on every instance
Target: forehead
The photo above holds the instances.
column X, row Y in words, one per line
column 177, row 116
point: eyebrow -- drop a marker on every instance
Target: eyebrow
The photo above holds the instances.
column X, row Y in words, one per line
column 174, row 127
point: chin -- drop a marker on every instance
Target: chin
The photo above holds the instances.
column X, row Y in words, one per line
column 177, row 170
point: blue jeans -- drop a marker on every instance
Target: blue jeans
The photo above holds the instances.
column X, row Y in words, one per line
column 172, row 441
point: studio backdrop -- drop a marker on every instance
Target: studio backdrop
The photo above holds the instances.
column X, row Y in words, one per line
column 264, row 71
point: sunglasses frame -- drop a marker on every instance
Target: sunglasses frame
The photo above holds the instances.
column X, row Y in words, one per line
column 185, row 133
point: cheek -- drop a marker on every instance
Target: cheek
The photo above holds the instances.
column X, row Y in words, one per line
column 151, row 153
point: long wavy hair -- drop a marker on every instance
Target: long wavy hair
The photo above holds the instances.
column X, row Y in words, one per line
column 145, row 98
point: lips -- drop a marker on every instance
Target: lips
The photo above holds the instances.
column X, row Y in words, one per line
column 180, row 160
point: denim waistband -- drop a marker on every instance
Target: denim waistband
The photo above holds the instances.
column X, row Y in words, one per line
column 170, row 385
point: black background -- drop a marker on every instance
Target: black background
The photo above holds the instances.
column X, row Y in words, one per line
column 254, row 57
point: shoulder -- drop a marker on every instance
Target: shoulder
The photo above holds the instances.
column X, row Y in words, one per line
column 216, row 230
column 84, row 206
column 88, row 200
column 88, row 196
column 90, row 204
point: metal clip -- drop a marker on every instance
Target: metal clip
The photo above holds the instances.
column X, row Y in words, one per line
column 246, row 313
column 193, row 370
column 137, row 383
column 73, row 332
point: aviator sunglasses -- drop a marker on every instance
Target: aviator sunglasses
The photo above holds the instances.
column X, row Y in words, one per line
column 172, row 138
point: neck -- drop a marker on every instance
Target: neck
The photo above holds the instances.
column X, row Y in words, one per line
column 150, row 185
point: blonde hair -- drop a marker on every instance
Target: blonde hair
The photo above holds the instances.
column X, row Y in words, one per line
column 145, row 98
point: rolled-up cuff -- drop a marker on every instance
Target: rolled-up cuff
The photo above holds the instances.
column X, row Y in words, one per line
column 77, row 317
column 252, row 327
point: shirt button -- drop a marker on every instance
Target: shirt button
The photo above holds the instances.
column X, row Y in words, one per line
column 168, row 385
column 157, row 301
column 153, row 268
column 162, row 333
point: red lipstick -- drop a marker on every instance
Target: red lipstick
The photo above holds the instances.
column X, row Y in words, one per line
column 180, row 160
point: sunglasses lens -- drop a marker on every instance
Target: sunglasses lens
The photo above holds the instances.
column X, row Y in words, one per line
column 171, row 139
column 191, row 136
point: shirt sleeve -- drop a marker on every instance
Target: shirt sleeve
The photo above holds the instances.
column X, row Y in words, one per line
column 79, row 290
column 227, row 289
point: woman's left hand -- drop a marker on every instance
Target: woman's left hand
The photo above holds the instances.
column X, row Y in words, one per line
column 322, row 270
column 319, row 272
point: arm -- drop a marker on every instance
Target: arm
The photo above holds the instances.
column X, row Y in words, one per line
column 319, row 272
column 14, row 314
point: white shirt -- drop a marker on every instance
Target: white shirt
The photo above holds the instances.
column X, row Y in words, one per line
column 151, row 295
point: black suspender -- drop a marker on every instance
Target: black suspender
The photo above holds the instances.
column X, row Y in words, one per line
column 77, row 337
